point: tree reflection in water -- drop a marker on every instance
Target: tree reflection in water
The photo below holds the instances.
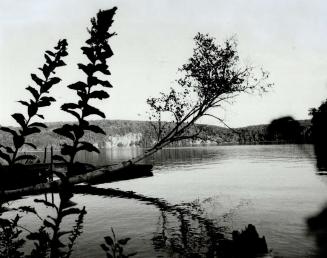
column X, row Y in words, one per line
column 317, row 225
column 184, row 230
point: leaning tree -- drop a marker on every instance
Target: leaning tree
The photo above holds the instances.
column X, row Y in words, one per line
column 211, row 77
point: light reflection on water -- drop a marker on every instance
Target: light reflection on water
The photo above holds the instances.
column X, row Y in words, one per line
column 271, row 186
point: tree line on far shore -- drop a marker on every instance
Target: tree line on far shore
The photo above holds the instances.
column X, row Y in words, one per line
column 282, row 130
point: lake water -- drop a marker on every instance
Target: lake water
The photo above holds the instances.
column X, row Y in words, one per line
column 274, row 187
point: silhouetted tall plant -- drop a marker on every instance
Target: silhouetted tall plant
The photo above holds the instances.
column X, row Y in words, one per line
column 40, row 99
column 115, row 248
column 97, row 52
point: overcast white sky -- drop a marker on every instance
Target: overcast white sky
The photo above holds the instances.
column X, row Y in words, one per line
column 286, row 37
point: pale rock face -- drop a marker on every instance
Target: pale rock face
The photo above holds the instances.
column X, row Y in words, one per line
column 123, row 140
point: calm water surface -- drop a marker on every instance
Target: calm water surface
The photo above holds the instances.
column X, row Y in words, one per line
column 274, row 187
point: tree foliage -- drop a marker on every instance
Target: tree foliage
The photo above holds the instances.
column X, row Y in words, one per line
column 40, row 98
column 97, row 50
column 285, row 129
column 212, row 76
column 319, row 123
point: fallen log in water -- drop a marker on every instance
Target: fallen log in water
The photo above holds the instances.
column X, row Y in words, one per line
column 111, row 173
column 83, row 178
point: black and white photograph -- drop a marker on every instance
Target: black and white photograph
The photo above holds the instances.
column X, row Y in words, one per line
column 163, row 128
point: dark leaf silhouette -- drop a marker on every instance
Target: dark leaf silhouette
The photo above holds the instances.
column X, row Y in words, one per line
column 123, row 241
column 50, row 53
column 24, row 103
column 95, row 129
column 5, row 156
column 48, row 224
column 46, row 203
column 9, row 149
column 89, row 53
column 65, row 130
column 89, row 110
column 18, row 141
column 24, row 157
column 87, row 146
column 70, row 211
column 77, row 86
column 99, row 94
column 34, row 92
column 59, row 158
column 30, row 144
column 37, row 124
column 37, row 80
column 88, row 69
column 8, row 130
column 67, row 149
column 48, row 59
column 46, row 101
column 32, row 108
column 109, row 240
column 20, row 119
column 28, row 209
column 74, row 113
column 31, row 130
column 67, row 106
column 104, row 247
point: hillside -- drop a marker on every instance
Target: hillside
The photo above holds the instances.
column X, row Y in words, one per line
column 121, row 133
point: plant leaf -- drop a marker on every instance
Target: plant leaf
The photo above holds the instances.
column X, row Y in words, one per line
column 123, row 241
column 88, row 147
column 20, row 119
column 67, row 149
column 30, row 144
column 46, row 101
column 24, row 157
column 65, row 130
column 99, row 94
column 23, row 103
column 48, row 59
column 104, row 247
column 38, row 125
column 89, row 110
column 70, row 211
column 59, row 158
column 95, row 129
column 48, row 224
column 50, row 53
column 37, row 80
column 31, row 130
column 67, row 106
column 78, row 86
column 109, row 240
column 32, row 108
column 8, row 130
column 5, row 156
column 89, row 53
column 18, row 141
column 88, row 69
column 46, row 203
column 9, row 149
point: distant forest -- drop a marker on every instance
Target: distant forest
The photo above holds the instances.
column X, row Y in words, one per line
column 122, row 133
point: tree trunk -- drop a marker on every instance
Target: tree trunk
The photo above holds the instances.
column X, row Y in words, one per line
column 83, row 178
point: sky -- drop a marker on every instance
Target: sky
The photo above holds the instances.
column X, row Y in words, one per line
column 154, row 38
